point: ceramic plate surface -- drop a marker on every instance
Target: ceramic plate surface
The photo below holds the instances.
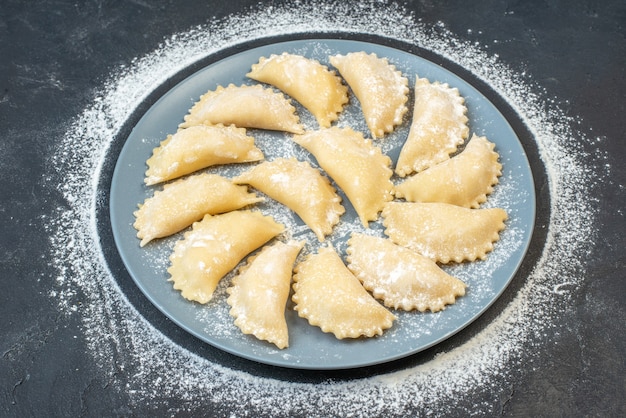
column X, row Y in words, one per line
column 309, row 347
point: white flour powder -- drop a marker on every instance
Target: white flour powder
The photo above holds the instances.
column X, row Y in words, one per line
column 166, row 371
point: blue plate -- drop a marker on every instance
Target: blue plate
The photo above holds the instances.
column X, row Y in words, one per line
column 309, row 347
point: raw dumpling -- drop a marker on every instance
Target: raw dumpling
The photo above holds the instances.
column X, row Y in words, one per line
column 438, row 127
column 312, row 84
column 246, row 107
column 199, row 147
column 187, row 200
column 444, row 232
column 301, row 188
column 380, row 88
column 328, row 295
column 359, row 168
column 258, row 294
column 400, row 277
column 464, row 180
column 214, row 247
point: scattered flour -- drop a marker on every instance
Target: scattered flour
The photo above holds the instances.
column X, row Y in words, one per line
column 121, row 339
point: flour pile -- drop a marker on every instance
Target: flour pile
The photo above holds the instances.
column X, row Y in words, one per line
column 120, row 338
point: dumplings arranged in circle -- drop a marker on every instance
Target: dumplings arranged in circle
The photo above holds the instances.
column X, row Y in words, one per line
column 429, row 202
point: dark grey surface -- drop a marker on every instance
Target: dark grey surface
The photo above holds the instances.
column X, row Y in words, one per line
column 54, row 55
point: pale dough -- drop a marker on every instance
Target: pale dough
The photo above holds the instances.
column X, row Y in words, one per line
column 328, row 295
column 300, row 187
column 187, row 200
column 307, row 81
column 198, row 147
column 464, row 180
column 444, row 232
column 381, row 89
column 246, row 107
column 214, row 247
column 358, row 167
column 400, row 277
column 438, row 127
column 259, row 293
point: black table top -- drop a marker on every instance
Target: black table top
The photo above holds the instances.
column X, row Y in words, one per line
column 79, row 338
